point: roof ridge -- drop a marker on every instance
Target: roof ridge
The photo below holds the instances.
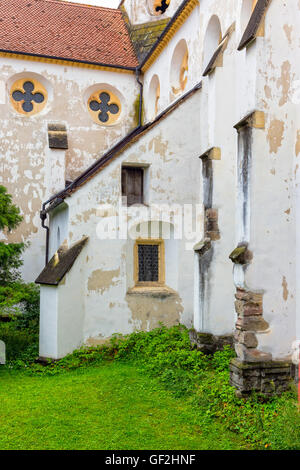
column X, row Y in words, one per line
column 81, row 5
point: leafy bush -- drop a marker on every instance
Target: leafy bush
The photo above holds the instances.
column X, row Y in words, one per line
column 10, row 253
column 16, row 341
column 20, row 303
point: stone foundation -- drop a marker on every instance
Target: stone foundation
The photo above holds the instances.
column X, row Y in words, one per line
column 268, row 378
column 208, row 343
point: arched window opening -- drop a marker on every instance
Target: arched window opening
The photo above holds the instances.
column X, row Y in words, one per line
column 213, row 37
column 179, row 68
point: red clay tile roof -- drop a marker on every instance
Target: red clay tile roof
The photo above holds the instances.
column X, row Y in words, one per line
column 64, row 30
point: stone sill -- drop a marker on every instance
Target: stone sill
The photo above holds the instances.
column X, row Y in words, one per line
column 153, row 291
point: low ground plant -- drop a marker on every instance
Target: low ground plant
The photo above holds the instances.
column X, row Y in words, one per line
column 165, row 354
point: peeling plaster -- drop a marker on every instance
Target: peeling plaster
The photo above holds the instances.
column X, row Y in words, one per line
column 159, row 146
column 268, row 92
column 288, row 31
column 297, row 146
column 284, row 82
column 149, row 310
column 285, row 292
column 275, row 135
column 101, row 281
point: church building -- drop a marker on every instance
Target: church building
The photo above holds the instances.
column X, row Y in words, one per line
column 153, row 150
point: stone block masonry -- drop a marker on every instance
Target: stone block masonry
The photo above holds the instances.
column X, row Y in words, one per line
column 209, row 343
column 249, row 309
column 254, row 370
column 269, row 377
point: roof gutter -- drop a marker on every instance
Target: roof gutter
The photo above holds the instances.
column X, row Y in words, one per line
column 138, row 74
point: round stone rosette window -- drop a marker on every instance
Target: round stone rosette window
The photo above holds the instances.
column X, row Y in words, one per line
column 158, row 7
column 28, row 96
column 104, row 107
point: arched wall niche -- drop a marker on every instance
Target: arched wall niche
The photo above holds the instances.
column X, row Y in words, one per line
column 213, row 37
column 246, row 12
column 179, row 69
column 154, row 97
column 59, row 233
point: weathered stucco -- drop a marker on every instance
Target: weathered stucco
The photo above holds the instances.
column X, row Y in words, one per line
column 100, row 280
column 252, row 190
column 149, row 310
column 29, row 169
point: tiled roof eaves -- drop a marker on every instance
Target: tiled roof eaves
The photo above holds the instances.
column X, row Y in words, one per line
column 66, row 31
column 74, row 61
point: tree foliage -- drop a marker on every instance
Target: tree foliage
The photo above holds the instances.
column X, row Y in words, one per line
column 10, row 253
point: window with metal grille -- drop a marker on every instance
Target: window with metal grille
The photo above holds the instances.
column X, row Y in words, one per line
column 149, row 262
column 133, row 185
column 148, row 256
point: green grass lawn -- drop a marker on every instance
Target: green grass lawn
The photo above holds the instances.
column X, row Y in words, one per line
column 109, row 406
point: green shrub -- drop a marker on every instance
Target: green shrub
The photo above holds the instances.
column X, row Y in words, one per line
column 16, row 341
column 20, row 302
column 10, row 253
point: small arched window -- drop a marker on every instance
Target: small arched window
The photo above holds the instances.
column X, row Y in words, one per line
column 179, row 68
column 213, row 37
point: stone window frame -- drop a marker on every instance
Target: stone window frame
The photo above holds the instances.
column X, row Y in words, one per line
column 161, row 262
column 153, row 4
column 18, row 85
column 114, row 99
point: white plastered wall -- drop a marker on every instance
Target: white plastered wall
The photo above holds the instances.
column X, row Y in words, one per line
column 274, row 205
column 30, row 170
column 106, row 266
column 62, row 314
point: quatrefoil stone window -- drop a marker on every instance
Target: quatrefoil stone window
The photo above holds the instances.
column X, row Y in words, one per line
column 28, row 96
column 159, row 7
column 104, row 107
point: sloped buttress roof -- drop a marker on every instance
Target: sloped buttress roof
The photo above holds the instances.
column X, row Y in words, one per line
column 64, row 30
column 60, row 264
